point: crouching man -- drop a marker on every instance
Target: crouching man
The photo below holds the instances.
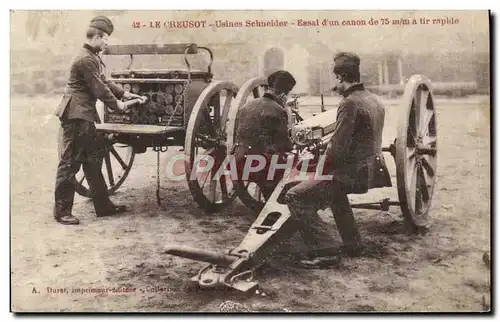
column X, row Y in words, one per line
column 354, row 160
column 262, row 130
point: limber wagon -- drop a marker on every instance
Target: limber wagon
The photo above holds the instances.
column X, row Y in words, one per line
column 184, row 108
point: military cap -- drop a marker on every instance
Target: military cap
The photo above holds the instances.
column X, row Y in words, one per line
column 346, row 58
column 282, row 81
column 102, row 23
column 346, row 64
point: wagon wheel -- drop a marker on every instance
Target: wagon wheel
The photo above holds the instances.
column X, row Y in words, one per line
column 117, row 163
column 206, row 136
column 248, row 192
column 416, row 152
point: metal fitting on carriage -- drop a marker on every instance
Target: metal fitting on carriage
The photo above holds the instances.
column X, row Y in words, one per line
column 304, row 135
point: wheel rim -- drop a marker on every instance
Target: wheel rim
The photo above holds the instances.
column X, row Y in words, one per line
column 118, row 157
column 252, row 88
column 416, row 154
column 248, row 192
column 206, row 135
column 251, row 195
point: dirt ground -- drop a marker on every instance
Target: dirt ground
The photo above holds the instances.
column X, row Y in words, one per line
column 441, row 271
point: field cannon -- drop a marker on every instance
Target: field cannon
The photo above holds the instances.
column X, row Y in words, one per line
column 414, row 151
column 188, row 109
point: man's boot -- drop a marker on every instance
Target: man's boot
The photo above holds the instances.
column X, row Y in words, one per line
column 65, row 219
column 346, row 225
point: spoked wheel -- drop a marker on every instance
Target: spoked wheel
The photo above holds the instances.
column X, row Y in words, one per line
column 248, row 192
column 116, row 166
column 416, row 152
column 251, row 195
column 206, row 147
column 252, row 89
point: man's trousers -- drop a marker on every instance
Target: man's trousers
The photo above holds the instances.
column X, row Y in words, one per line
column 307, row 197
column 80, row 147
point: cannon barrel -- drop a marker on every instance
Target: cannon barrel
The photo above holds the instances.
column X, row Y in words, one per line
column 305, row 132
column 201, row 255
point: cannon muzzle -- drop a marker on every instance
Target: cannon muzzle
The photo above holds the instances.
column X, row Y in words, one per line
column 201, row 255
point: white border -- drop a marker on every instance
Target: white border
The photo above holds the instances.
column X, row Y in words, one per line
column 192, row 5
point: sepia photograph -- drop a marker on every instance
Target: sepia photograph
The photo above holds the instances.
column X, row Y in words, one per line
column 250, row 161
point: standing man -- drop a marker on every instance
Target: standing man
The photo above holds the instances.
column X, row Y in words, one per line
column 81, row 146
column 262, row 129
column 354, row 159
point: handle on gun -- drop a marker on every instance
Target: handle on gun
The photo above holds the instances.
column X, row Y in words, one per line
column 325, row 140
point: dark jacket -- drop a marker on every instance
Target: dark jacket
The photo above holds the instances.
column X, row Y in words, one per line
column 354, row 153
column 85, row 85
column 261, row 129
column 262, row 126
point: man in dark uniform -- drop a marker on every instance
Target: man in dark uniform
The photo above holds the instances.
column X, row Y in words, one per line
column 81, row 146
column 262, row 129
column 353, row 158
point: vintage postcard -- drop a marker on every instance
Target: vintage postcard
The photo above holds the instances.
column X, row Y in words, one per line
column 250, row 161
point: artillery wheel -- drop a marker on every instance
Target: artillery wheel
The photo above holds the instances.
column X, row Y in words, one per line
column 249, row 193
column 118, row 161
column 416, row 152
column 206, row 135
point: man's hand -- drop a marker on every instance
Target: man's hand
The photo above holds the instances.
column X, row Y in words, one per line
column 129, row 96
column 312, row 164
column 121, row 106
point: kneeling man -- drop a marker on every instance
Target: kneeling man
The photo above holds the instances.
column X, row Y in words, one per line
column 353, row 158
column 262, row 130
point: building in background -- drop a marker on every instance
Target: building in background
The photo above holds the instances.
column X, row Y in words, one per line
column 384, row 72
column 388, row 56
